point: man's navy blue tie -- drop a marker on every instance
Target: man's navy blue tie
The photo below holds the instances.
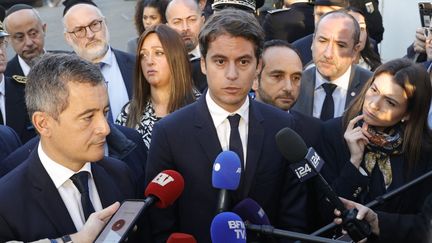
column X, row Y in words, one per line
column 327, row 111
column 80, row 180
column 235, row 143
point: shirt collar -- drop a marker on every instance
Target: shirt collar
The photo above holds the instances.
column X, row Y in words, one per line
column 341, row 82
column 58, row 173
column 24, row 66
column 195, row 52
column 2, row 85
column 108, row 58
column 219, row 114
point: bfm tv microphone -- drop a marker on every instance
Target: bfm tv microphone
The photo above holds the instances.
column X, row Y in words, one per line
column 181, row 238
column 226, row 176
column 164, row 189
column 306, row 164
column 256, row 220
column 227, row 227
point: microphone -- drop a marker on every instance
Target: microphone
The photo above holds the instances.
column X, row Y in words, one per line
column 256, row 220
column 164, row 189
column 306, row 164
column 227, row 227
column 226, row 176
column 181, row 238
column 251, row 211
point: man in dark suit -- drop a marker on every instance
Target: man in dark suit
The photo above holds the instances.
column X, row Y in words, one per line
column 290, row 23
column 328, row 88
column 53, row 192
column 27, row 31
column 87, row 33
column 13, row 111
column 190, row 139
column 320, row 8
column 278, row 84
column 9, row 141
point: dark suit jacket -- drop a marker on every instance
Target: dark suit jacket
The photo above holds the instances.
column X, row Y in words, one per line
column 126, row 64
column 304, row 103
column 124, row 144
column 31, row 207
column 186, row 141
column 308, row 127
column 9, row 141
column 16, row 111
column 303, row 45
column 289, row 24
column 13, row 68
column 349, row 183
column 199, row 78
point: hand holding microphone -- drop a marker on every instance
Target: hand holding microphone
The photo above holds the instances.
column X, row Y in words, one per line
column 306, row 164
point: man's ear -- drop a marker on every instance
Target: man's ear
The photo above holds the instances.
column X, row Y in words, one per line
column 203, row 65
column 42, row 123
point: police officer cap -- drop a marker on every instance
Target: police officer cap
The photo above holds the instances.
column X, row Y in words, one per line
column 70, row 3
column 340, row 3
column 248, row 5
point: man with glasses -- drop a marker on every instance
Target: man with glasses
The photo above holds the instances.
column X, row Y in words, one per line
column 13, row 111
column 85, row 30
column 27, row 38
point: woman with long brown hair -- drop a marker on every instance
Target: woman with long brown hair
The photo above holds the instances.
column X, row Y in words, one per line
column 162, row 82
column 383, row 140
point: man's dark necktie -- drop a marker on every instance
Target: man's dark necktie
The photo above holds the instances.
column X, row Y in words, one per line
column 80, row 180
column 1, row 118
column 235, row 143
column 327, row 111
column 110, row 116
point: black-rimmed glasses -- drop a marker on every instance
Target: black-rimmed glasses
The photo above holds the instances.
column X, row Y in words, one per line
column 81, row 31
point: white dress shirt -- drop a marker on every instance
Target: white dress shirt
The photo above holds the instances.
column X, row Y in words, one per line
column 3, row 98
column 60, row 176
column 222, row 125
column 24, row 66
column 339, row 94
column 117, row 91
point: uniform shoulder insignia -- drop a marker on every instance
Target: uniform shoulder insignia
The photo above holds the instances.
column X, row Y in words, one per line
column 20, row 79
column 273, row 11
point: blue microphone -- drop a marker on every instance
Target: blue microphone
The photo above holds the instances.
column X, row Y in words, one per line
column 251, row 211
column 226, row 176
column 228, row 227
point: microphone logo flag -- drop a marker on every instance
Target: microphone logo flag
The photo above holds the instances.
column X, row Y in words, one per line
column 238, row 227
column 163, row 179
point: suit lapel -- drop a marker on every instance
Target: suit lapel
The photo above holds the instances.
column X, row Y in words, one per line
column 15, row 105
column 254, row 146
column 47, row 196
column 106, row 188
column 354, row 85
column 305, row 101
column 205, row 130
column 126, row 69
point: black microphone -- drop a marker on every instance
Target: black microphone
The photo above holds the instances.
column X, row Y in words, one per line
column 382, row 199
column 306, row 164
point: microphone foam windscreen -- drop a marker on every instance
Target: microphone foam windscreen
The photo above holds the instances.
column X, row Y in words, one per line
column 291, row 145
column 227, row 227
column 226, row 171
column 181, row 238
column 167, row 186
column 251, row 211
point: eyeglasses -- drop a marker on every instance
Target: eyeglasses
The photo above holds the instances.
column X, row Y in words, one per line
column 81, row 32
column 3, row 42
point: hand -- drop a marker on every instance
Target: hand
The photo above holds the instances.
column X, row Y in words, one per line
column 95, row 224
column 419, row 42
column 356, row 139
column 363, row 213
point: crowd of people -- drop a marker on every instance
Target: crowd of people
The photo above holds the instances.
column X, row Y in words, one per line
column 81, row 131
